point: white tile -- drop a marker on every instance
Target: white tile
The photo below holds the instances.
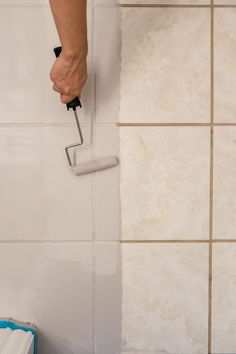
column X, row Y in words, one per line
column 165, row 65
column 51, row 286
column 108, row 298
column 225, row 72
column 26, row 93
column 40, row 197
column 224, row 212
column 224, row 301
column 107, row 63
column 107, row 195
column 164, row 182
column 165, row 298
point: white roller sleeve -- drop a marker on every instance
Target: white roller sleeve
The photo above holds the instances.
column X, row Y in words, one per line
column 16, row 341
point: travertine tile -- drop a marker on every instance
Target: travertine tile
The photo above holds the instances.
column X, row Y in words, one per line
column 225, row 2
column 224, row 301
column 51, row 286
column 106, row 38
column 40, row 197
column 108, row 298
column 225, row 71
column 224, row 183
column 107, row 192
column 164, row 182
column 165, row 288
column 26, row 94
column 165, row 67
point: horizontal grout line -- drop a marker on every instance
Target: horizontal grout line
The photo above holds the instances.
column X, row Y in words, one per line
column 57, row 241
column 175, row 124
column 209, row 6
column 55, row 125
column 180, row 241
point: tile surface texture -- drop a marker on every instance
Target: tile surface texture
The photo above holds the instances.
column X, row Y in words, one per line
column 224, row 288
column 106, row 38
column 224, row 183
column 45, row 200
column 165, row 65
column 108, row 298
column 61, row 306
column 165, row 298
column 164, row 182
column 225, row 71
column 26, row 94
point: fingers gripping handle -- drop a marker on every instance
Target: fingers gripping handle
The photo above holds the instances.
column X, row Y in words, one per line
column 76, row 101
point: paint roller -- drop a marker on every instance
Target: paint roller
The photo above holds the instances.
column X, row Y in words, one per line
column 89, row 166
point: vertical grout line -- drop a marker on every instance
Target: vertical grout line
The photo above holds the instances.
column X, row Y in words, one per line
column 211, row 184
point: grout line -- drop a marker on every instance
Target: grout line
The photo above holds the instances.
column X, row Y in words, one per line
column 178, row 241
column 209, row 6
column 211, row 185
column 176, row 124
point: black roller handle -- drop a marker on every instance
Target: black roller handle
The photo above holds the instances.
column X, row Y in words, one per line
column 76, row 101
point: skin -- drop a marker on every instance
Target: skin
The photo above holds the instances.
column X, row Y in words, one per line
column 69, row 71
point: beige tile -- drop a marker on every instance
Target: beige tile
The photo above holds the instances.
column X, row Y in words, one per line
column 165, row 288
column 225, row 72
column 107, row 194
column 225, row 2
column 165, row 67
column 224, row 288
column 224, row 183
column 164, row 182
column 108, row 298
column 26, row 93
column 40, row 197
column 106, row 37
column 51, row 286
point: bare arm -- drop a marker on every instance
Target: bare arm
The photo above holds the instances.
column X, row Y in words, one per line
column 69, row 72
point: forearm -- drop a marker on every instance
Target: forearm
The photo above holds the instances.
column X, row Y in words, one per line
column 70, row 19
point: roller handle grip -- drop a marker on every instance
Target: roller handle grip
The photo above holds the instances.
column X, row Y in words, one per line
column 76, row 101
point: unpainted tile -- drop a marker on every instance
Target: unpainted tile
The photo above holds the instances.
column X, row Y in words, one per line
column 224, row 302
column 165, row 298
column 224, row 213
column 164, row 182
column 165, row 65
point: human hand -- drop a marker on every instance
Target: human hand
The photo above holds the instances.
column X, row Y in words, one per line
column 69, row 74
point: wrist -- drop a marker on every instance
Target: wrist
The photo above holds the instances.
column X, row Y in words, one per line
column 71, row 54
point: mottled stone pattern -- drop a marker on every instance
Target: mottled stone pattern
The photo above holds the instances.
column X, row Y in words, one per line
column 178, row 189
column 165, row 298
column 165, row 182
column 165, row 65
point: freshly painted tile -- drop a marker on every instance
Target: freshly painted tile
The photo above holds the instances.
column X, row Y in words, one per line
column 107, row 63
column 224, row 183
column 165, row 65
column 107, row 298
column 107, row 197
column 165, row 298
column 50, row 285
column 26, row 93
column 225, row 71
column 168, row 2
column 164, row 182
column 40, row 197
column 224, row 301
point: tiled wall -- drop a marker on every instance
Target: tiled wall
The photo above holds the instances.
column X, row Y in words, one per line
column 59, row 250
column 178, row 169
